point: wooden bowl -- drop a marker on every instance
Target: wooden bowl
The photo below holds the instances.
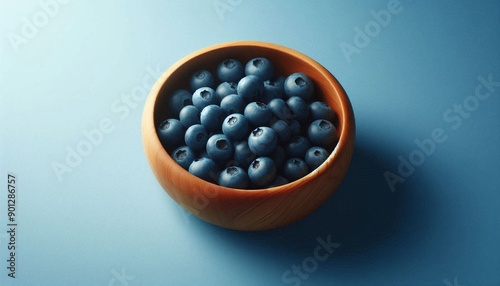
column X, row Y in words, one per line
column 255, row 209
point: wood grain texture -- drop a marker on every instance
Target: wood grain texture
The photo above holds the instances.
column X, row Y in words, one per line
column 248, row 209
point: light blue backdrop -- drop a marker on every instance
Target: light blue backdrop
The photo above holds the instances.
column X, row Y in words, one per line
column 418, row 74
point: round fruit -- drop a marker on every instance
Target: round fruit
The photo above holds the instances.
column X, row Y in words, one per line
column 204, row 168
column 171, row 133
column 211, row 117
column 322, row 133
column 230, row 70
column 202, row 78
column 257, row 113
column 234, row 177
column 184, row 156
column 196, row 137
column 295, row 169
column 178, row 100
column 219, row 148
column 315, row 156
column 189, row 115
column 204, row 96
column 235, row 126
column 261, row 67
column 250, row 88
column 262, row 141
column 233, row 103
column 299, row 84
column 262, row 171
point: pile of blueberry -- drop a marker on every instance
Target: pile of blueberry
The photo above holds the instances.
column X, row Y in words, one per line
column 243, row 126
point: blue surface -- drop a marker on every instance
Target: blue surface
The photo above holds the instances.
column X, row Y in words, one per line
column 106, row 221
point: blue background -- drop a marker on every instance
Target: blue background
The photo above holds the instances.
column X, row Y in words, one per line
column 108, row 222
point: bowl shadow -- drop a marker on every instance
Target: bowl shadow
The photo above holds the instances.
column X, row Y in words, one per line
column 360, row 214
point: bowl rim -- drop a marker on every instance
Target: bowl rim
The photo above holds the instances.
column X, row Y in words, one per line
column 346, row 117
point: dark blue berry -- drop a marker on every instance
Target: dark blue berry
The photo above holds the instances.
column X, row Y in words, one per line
column 234, row 177
column 233, row 103
column 204, row 168
column 262, row 171
column 211, row 117
column 315, row 156
column 202, row 78
column 297, row 147
column 258, row 114
column 263, row 141
column 171, row 133
column 261, row 67
column 280, row 109
column 299, row 108
column 204, row 96
column 230, row 70
column 235, row 127
column 219, row 148
column 224, row 89
column 322, row 133
column 320, row 110
column 273, row 88
column 243, row 156
column 282, row 129
column 184, row 156
column 189, row 115
column 179, row 99
column 294, row 169
column 299, row 84
column 250, row 88
column 196, row 137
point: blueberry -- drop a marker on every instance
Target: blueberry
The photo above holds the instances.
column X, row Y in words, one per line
column 257, row 113
column 279, row 156
column 315, row 156
column 282, row 130
column 234, row 177
column 224, row 89
column 219, row 148
column 243, row 156
column 230, row 70
column 320, row 110
column 178, row 100
column 280, row 109
column 295, row 127
column 202, row 78
column 294, row 169
column 273, row 88
column 262, row 171
column 204, row 168
column 211, row 117
column 278, row 181
column 299, row 84
column 262, row 141
column 250, row 88
column 196, row 137
column 204, row 96
column 322, row 133
column 189, row 115
column 297, row 147
column 261, row 67
column 171, row 133
column 299, row 108
column 235, row 126
column 184, row 156
column 233, row 103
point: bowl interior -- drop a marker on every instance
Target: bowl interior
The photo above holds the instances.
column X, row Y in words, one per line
column 285, row 60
